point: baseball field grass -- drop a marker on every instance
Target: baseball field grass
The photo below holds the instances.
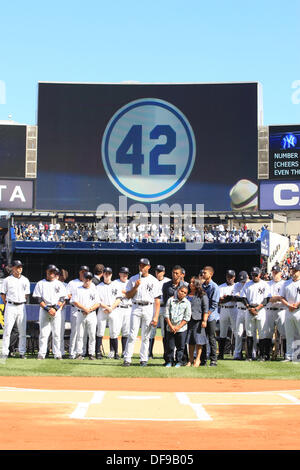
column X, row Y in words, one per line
column 227, row 368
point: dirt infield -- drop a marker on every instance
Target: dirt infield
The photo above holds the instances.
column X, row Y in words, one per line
column 133, row 414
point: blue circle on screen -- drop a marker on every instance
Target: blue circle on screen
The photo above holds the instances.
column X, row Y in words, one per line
column 190, row 157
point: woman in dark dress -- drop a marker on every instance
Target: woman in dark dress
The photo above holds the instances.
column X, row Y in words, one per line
column 196, row 336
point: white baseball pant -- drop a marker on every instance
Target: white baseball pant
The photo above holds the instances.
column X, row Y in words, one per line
column 292, row 331
column 256, row 323
column 141, row 316
column 86, row 327
column 114, row 323
column 228, row 317
column 240, row 327
column 124, row 313
column 49, row 324
column 102, row 319
column 276, row 316
column 62, row 331
column 12, row 314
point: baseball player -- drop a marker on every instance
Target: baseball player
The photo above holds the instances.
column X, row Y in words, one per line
column 256, row 293
column 62, row 276
column 160, row 271
column 71, row 290
column 227, row 310
column 51, row 295
column 14, row 292
column 275, row 310
column 123, row 310
column 240, row 307
column 108, row 297
column 291, row 299
column 144, row 290
column 86, row 300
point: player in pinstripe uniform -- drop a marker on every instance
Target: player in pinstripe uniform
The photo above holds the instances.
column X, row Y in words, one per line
column 51, row 295
column 86, row 300
column 144, row 290
column 275, row 309
column 291, row 299
column 256, row 294
column 106, row 313
column 71, row 290
column 227, row 310
column 243, row 278
column 14, row 292
column 123, row 310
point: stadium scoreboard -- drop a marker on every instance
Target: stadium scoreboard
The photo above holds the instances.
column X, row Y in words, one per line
column 284, row 152
column 153, row 143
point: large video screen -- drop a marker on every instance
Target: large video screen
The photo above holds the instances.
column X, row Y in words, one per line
column 284, row 152
column 12, row 150
column 153, row 143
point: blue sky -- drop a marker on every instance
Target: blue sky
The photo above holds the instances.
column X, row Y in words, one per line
column 154, row 41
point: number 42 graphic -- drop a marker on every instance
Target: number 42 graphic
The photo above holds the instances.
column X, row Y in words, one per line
column 148, row 149
column 134, row 140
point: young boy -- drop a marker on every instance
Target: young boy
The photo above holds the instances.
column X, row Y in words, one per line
column 177, row 315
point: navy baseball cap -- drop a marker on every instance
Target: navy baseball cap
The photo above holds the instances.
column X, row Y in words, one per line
column 276, row 268
column 124, row 270
column 51, row 267
column 160, row 268
column 144, row 261
column 17, row 262
column 230, row 272
column 255, row 270
column 107, row 270
column 88, row 275
column 243, row 276
column 84, row 268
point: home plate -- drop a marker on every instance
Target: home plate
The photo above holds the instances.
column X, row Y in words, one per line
column 142, row 406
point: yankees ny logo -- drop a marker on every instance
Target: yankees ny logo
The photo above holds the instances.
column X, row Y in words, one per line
column 298, row 290
column 92, row 297
column 150, row 287
column 261, row 290
column 57, row 289
column 114, row 292
column 289, row 141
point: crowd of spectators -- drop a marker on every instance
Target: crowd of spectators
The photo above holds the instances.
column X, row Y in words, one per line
column 134, row 232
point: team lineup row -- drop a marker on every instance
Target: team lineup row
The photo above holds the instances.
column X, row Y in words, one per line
column 187, row 312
